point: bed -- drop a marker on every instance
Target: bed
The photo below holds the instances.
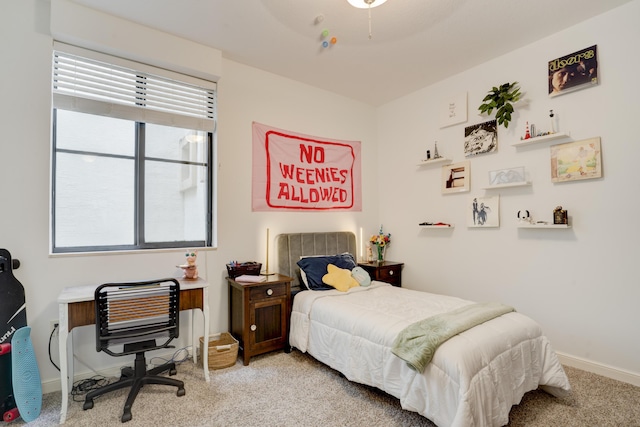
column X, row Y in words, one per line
column 473, row 379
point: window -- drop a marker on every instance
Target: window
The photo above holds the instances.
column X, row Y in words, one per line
column 132, row 156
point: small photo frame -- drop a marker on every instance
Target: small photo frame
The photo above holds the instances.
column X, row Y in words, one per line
column 484, row 212
column 507, row 176
column 453, row 110
column 574, row 161
column 481, row 138
column 456, row 177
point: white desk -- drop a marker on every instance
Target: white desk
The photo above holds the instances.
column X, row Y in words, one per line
column 77, row 308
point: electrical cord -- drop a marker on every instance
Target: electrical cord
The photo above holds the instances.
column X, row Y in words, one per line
column 82, row 387
column 53, row 331
column 174, row 357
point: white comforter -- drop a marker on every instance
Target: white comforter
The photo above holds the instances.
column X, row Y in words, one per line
column 473, row 379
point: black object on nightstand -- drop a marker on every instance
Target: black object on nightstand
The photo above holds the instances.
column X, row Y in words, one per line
column 386, row 271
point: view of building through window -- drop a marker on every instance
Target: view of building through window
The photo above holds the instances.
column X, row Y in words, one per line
column 96, row 176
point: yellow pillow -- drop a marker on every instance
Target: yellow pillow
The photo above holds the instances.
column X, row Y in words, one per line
column 339, row 278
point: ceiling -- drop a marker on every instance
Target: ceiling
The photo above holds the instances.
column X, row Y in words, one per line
column 414, row 43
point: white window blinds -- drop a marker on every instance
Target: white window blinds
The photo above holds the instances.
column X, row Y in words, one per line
column 109, row 89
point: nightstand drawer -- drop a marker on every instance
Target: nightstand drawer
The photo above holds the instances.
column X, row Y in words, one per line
column 268, row 291
column 386, row 271
column 390, row 275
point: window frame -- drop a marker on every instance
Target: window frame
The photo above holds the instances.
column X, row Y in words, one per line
column 140, row 160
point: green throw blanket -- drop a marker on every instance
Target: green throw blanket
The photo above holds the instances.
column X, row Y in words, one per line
column 417, row 343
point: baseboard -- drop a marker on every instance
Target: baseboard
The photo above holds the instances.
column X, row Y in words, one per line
column 600, row 369
column 110, row 371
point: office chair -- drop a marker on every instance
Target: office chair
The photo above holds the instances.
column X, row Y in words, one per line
column 140, row 317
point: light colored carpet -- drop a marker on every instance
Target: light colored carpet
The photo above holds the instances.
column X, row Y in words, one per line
column 279, row 389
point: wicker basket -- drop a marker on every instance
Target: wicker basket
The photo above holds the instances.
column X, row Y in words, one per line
column 222, row 350
column 251, row 268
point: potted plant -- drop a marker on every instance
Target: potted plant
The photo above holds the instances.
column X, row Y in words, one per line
column 501, row 99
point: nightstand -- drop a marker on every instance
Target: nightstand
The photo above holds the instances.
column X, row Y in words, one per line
column 259, row 314
column 387, row 271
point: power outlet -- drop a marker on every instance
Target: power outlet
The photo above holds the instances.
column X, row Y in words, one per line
column 54, row 327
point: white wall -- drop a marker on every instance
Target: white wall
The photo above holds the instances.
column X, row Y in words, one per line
column 245, row 95
column 581, row 284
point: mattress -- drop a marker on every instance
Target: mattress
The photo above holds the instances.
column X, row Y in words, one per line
column 473, row 379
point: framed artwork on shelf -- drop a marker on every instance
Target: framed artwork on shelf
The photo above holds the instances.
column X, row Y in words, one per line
column 577, row 160
column 456, row 177
column 507, row 176
column 454, row 110
column 575, row 71
column 481, row 138
column 484, row 212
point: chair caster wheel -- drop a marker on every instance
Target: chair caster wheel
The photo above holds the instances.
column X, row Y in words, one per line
column 172, row 371
column 126, row 417
column 88, row 404
column 181, row 392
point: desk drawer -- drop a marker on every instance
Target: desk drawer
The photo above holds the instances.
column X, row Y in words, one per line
column 268, row 291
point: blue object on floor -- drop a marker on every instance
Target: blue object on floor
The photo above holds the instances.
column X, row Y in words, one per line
column 27, row 388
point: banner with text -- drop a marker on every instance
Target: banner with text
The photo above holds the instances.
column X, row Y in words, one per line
column 297, row 172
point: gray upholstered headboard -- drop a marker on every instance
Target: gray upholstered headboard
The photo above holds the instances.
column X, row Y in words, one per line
column 290, row 247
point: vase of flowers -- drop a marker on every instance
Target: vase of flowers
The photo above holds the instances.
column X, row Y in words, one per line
column 379, row 243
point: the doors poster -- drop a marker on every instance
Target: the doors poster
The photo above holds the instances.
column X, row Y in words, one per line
column 572, row 72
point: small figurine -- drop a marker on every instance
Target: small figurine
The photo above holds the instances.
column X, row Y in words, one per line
column 190, row 268
column 435, row 151
column 524, row 216
column 552, row 130
column 527, row 135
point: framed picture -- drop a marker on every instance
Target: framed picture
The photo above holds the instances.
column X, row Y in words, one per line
column 484, row 212
column 454, row 110
column 456, row 177
column 572, row 72
column 577, row 160
column 507, row 176
column 481, row 138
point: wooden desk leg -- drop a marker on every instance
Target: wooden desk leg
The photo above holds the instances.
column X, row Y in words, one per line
column 63, row 334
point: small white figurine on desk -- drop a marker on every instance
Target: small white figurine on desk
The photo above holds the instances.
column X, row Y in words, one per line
column 190, row 268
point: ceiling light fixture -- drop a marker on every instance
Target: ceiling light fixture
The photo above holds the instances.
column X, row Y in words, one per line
column 366, row 4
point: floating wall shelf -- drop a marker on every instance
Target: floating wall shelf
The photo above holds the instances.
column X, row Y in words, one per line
column 545, row 226
column 511, row 184
column 440, row 160
column 438, row 226
column 551, row 137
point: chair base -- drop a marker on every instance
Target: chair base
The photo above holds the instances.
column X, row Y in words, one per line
column 136, row 378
